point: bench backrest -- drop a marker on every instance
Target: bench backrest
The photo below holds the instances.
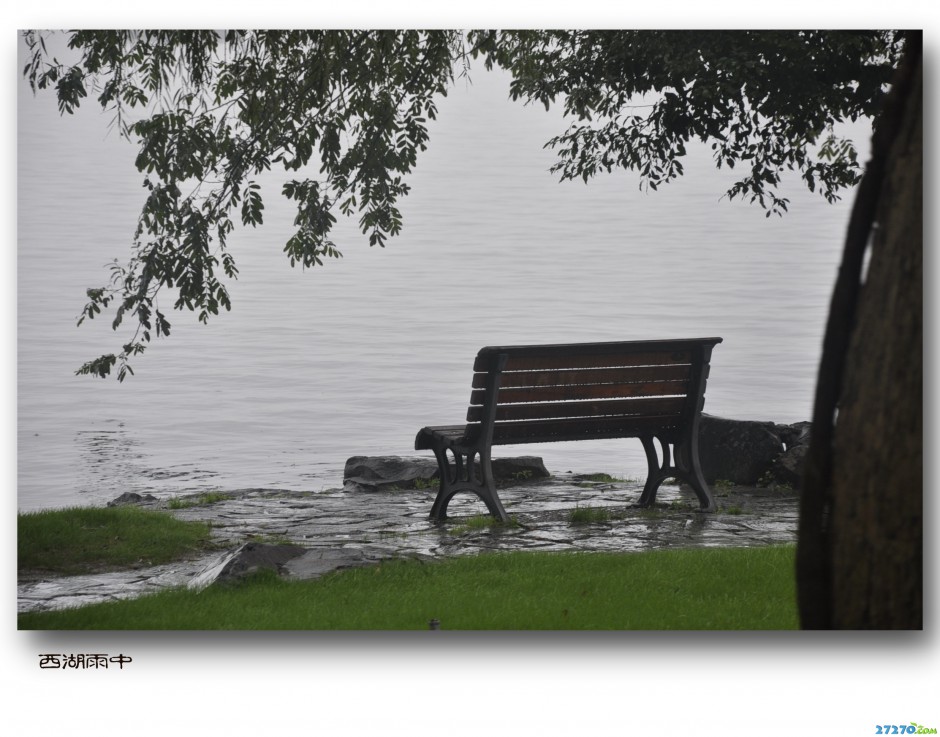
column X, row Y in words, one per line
column 582, row 391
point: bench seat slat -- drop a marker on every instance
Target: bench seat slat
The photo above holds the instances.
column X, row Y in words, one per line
column 507, row 433
column 526, row 362
column 637, row 374
column 576, row 392
column 552, row 410
column 450, row 433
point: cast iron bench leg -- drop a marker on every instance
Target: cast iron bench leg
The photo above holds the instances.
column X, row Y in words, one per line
column 487, row 492
column 687, row 459
column 686, row 468
column 460, row 476
column 445, row 490
column 655, row 471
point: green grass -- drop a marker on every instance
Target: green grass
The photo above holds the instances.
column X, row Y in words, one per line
column 711, row 589
column 523, row 475
column 79, row 539
column 481, row 522
column 210, row 497
column 590, row 480
column 588, row 515
column 606, row 478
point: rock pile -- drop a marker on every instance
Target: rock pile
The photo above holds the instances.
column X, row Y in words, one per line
column 382, row 473
column 752, row 453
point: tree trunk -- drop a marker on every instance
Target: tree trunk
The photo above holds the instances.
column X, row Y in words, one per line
column 860, row 554
column 877, row 474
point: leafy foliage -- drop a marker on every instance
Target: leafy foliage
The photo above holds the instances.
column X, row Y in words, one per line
column 346, row 113
column 210, row 112
column 766, row 100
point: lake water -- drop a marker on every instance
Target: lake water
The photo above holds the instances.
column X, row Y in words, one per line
column 353, row 358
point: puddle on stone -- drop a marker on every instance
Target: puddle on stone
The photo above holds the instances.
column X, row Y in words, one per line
column 395, row 524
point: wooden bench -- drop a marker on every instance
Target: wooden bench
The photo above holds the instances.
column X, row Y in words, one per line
column 582, row 391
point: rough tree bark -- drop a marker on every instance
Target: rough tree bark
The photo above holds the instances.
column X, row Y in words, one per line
column 860, row 551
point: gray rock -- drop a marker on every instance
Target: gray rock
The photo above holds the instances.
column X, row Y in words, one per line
column 519, row 468
column 129, row 497
column 245, row 560
column 372, row 473
column 315, row 563
column 375, row 473
column 794, row 435
column 787, row 469
column 739, row 451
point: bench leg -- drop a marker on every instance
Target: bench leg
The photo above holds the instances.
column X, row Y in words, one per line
column 655, row 470
column 459, row 476
column 687, row 458
column 686, row 468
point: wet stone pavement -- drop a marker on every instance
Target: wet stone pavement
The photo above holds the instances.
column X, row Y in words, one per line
column 344, row 527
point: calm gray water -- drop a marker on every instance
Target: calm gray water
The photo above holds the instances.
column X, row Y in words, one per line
column 352, row 359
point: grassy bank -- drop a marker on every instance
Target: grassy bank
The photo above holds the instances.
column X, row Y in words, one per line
column 83, row 539
column 711, row 589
